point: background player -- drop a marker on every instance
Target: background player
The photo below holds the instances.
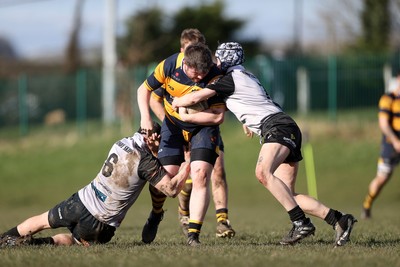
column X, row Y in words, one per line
column 389, row 124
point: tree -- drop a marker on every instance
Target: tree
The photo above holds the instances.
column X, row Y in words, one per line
column 375, row 21
column 145, row 38
column 376, row 24
column 72, row 53
column 152, row 35
column 7, row 51
column 209, row 19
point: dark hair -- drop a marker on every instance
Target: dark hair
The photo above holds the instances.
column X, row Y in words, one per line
column 199, row 56
column 156, row 129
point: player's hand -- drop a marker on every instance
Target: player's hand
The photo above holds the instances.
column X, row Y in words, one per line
column 146, row 127
column 175, row 103
column 247, row 131
column 183, row 113
column 153, row 142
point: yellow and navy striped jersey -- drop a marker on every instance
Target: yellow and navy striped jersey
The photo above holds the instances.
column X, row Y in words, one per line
column 389, row 108
column 170, row 76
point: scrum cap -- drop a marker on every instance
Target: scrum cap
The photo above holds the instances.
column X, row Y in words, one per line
column 230, row 54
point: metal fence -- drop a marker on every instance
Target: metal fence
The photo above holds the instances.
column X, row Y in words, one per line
column 330, row 83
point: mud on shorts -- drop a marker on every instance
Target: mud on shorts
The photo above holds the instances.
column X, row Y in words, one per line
column 281, row 128
column 85, row 228
column 203, row 144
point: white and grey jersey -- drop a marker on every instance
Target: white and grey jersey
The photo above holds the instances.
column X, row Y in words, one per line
column 245, row 97
column 128, row 167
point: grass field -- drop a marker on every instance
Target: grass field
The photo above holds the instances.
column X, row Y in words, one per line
column 49, row 165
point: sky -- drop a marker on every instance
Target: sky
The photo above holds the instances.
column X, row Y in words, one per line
column 42, row 27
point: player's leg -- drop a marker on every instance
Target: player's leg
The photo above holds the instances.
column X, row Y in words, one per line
column 56, row 217
column 183, row 206
column 341, row 223
column 63, row 239
column 271, row 156
column 184, row 198
column 203, row 157
column 199, row 200
column 374, row 188
column 220, row 197
column 22, row 233
column 287, row 173
column 150, row 228
column 282, row 143
column 171, row 156
column 387, row 161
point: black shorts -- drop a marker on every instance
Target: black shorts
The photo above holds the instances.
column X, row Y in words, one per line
column 72, row 214
column 281, row 128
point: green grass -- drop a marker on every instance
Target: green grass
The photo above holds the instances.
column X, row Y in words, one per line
column 47, row 166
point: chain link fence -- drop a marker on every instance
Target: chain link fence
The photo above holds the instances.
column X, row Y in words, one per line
column 303, row 84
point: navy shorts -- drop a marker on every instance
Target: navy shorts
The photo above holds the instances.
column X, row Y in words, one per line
column 72, row 214
column 388, row 154
column 203, row 144
column 281, row 128
column 221, row 144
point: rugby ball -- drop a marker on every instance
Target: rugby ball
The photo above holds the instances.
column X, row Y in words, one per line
column 202, row 105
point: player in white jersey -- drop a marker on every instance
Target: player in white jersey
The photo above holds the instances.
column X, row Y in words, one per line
column 277, row 164
column 95, row 211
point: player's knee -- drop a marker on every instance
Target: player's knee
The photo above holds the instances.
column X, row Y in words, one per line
column 262, row 176
column 218, row 176
column 200, row 178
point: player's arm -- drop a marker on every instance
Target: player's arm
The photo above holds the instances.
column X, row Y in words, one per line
column 387, row 130
column 143, row 98
column 172, row 186
column 157, row 106
column 247, row 131
column 211, row 116
column 192, row 98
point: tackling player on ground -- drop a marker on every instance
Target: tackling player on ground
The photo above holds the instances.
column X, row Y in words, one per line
column 95, row 211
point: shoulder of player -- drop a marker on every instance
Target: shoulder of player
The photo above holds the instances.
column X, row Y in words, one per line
column 221, row 80
column 214, row 72
column 173, row 62
column 387, row 97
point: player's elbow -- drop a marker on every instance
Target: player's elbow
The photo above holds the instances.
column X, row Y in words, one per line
column 219, row 119
column 172, row 192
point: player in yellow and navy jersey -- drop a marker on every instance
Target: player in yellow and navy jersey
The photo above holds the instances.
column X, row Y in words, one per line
column 219, row 190
column 389, row 123
column 218, row 176
column 181, row 74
